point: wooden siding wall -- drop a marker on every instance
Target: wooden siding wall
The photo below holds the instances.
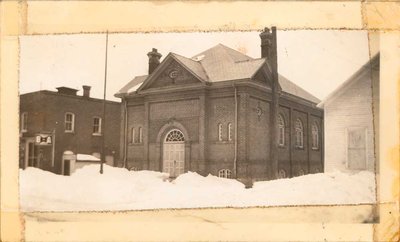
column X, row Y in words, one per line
column 350, row 109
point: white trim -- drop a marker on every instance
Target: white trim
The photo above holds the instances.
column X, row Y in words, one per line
column 219, row 131
column 72, row 123
column 140, row 131
column 352, row 79
column 24, row 128
column 99, row 126
column 281, row 126
column 301, row 131
column 229, row 131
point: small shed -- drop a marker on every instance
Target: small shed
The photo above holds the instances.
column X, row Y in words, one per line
column 351, row 120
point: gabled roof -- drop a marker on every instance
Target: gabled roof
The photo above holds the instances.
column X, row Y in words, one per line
column 192, row 65
column 132, row 86
column 372, row 64
column 291, row 88
column 221, row 63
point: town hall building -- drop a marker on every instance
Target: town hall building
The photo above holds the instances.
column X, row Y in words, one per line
column 223, row 113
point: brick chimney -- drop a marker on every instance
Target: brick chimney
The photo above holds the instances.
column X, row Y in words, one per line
column 86, row 91
column 269, row 46
column 154, row 60
column 66, row 91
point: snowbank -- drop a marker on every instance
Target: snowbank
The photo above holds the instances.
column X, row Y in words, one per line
column 85, row 157
column 120, row 189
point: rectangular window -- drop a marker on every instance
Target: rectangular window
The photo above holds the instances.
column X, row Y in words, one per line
column 230, row 131
column 133, row 140
column 140, row 135
column 69, row 122
column 96, row 126
column 24, row 122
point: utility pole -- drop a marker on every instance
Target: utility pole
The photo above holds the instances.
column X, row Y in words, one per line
column 103, row 122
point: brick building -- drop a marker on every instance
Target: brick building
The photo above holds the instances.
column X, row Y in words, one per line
column 76, row 122
column 220, row 112
column 351, row 121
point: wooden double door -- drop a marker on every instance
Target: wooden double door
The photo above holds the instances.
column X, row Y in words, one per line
column 174, row 153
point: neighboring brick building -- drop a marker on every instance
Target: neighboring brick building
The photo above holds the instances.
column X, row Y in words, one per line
column 76, row 122
column 220, row 112
column 351, row 118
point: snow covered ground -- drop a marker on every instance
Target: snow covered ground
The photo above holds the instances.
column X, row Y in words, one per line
column 120, row 189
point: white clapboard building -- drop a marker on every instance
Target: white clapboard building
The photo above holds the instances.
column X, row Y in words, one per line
column 351, row 121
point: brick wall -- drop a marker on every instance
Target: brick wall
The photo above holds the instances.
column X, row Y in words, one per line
column 46, row 111
column 253, row 154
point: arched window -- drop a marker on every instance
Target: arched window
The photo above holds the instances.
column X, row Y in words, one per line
column 133, row 134
column 230, row 131
column 24, row 122
column 281, row 131
column 225, row 173
column 314, row 135
column 175, row 136
column 281, row 174
column 140, row 135
column 219, row 132
column 69, row 122
column 298, row 133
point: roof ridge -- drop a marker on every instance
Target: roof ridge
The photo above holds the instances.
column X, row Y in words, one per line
column 231, row 49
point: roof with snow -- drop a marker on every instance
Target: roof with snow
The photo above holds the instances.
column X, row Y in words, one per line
column 221, row 63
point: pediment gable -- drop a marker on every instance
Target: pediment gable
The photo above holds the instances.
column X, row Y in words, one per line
column 170, row 73
column 263, row 75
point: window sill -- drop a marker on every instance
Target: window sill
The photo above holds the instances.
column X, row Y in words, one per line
column 224, row 142
column 69, row 132
column 97, row 134
column 299, row 148
column 281, row 146
column 315, row 149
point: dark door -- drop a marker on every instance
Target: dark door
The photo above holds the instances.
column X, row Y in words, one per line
column 67, row 165
column 31, row 154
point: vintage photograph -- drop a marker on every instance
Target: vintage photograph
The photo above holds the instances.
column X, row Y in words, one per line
column 141, row 121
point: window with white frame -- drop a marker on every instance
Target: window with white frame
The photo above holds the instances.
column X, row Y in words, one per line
column 133, row 134
column 230, row 131
column 24, row 122
column 298, row 129
column 69, row 122
column 281, row 131
column 96, row 126
column 314, row 135
column 140, row 135
column 219, row 132
column 225, row 173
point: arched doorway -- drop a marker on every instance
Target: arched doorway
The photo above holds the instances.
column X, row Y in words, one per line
column 174, row 153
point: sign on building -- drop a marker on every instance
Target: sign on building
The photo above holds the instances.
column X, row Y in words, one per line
column 44, row 139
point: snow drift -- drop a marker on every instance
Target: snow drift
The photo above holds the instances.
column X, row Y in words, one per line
column 120, row 189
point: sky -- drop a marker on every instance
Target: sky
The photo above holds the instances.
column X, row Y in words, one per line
column 316, row 60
